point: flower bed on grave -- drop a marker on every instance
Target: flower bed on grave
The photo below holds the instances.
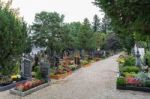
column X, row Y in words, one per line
column 28, row 87
column 140, row 82
column 60, row 76
column 97, row 59
column 132, row 77
column 61, row 73
column 74, row 67
column 40, row 81
column 85, row 63
column 7, row 82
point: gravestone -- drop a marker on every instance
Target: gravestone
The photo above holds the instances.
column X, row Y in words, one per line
column 138, row 59
column 104, row 54
column 26, row 68
column 77, row 59
column 45, row 70
column 139, row 53
column 142, row 52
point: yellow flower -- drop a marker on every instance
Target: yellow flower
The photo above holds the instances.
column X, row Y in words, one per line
column 121, row 60
column 15, row 76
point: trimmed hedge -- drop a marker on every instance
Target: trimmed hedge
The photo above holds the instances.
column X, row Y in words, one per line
column 129, row 69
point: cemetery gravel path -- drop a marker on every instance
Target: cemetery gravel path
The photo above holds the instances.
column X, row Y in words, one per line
column 95, row 82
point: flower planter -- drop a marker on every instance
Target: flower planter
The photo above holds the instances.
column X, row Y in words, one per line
column 27, row 92
column 134, row 88
column 11, row 85
column 60, row 76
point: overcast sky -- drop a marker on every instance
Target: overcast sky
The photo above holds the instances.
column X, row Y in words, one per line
column 74, row 10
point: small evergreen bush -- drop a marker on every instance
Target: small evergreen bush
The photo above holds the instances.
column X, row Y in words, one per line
column 121, row 81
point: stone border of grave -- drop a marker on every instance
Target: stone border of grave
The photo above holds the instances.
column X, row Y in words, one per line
column 134, row 88
column 7, row 87
column 30, row 91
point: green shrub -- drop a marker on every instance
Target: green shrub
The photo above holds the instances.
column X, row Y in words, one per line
column 73, row 67
column 38, row 73
column 130, row 69
column 52, row 71
column 129, row 61
column 84, row 62
column 131, row 74
column 16, row 68
column 147, row 83
column 121, row 81
column 5, row 80
column 147, row 56
column 142, row 76
column 61, row 67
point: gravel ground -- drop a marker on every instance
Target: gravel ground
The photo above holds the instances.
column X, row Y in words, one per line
column 95, row 82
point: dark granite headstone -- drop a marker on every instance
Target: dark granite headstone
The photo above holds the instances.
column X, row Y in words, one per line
column 45, row 69
column 26, row 68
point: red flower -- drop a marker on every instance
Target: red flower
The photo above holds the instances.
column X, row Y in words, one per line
column 132, row 81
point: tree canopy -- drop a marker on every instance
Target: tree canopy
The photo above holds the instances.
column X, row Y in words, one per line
column 96, row 23
column 13, row 34
column 128, row 16
column 50, row 31
column 47, row 30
